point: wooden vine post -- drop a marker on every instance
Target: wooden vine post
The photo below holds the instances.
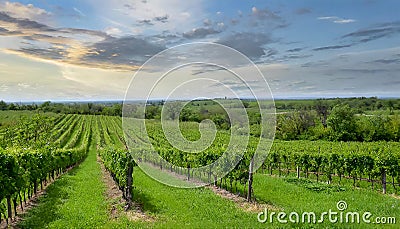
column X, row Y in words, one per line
column 384, row 181
column 250, row 181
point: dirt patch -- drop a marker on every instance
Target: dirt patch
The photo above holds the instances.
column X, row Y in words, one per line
column 242, row 202
column 117, row 202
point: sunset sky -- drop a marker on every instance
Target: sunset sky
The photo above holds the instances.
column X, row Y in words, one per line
column 90, row 50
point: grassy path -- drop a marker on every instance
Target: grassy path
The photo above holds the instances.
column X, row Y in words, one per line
column 75, row 200
column 187, row 208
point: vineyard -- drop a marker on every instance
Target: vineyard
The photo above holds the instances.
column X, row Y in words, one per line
column 39, row 148
column 375, row 162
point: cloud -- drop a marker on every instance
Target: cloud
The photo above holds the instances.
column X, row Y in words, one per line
column 375, row 32
column 112, row 31
column 250, row 44
column 264, row 14
column 65, row 45
column 302, row 11
column 363, row 71
column 21, row 11
column 332, row 47
column 94, row 33
column 23, row 23
column 266, row 19
column 337, row 20
column 294, row 50
column 179, row 16
column 79, row 12
column 386, row 61
column 145, row 22
column 123, row 51
column 205, row 68
column 162, row 19
column 199, row 33
column 129, row 6
column 207, row 22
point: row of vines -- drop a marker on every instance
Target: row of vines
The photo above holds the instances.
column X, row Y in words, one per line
column 374, row 162
column 36, row 150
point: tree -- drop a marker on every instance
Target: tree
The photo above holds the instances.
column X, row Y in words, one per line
column 322, row 109
column 342, row 120
column 292, row 125
column 3, row 105
column 46, row 106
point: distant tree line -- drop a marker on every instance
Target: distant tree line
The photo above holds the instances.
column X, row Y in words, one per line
column 338, row 119
column 113, row 109
column 360, row 104
column 339, row 123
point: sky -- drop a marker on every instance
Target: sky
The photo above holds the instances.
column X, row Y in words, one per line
column 91, row 50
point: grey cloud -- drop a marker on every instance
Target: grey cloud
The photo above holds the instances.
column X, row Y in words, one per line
column 50, row 53
column 205, row 68
column 129, row 6
column 207, row 22
column 302, row 11
column 265, row 14
column 200, row 33
column 391, row 83
column 374, row 32
column 124, row 50
column 84, row 31
column 320, row 63
column 24, row 23
column 363, row 71
column 332, row 47
column 270, row 52
column 294, row 50
column 266, row 19
column 343, row 78
column 166, row 35
column 386, row 61
column 162, row 19
column 250, row 44
column 291, row 57
column 145, row 22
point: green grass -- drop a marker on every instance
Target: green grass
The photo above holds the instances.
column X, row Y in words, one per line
column 309, row 196
column 75, row 200
column 187, row 208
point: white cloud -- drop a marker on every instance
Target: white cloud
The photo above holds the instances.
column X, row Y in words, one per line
column 343, row 21
column 113, row 31
column 18, row 10
column 79, row 12
column 337, row 20
column 182, row 15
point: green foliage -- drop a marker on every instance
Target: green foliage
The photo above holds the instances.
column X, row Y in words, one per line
column 343, row 123
column 30, row 157
column 293, row 125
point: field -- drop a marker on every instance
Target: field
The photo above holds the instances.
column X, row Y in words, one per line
column 297, row 176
